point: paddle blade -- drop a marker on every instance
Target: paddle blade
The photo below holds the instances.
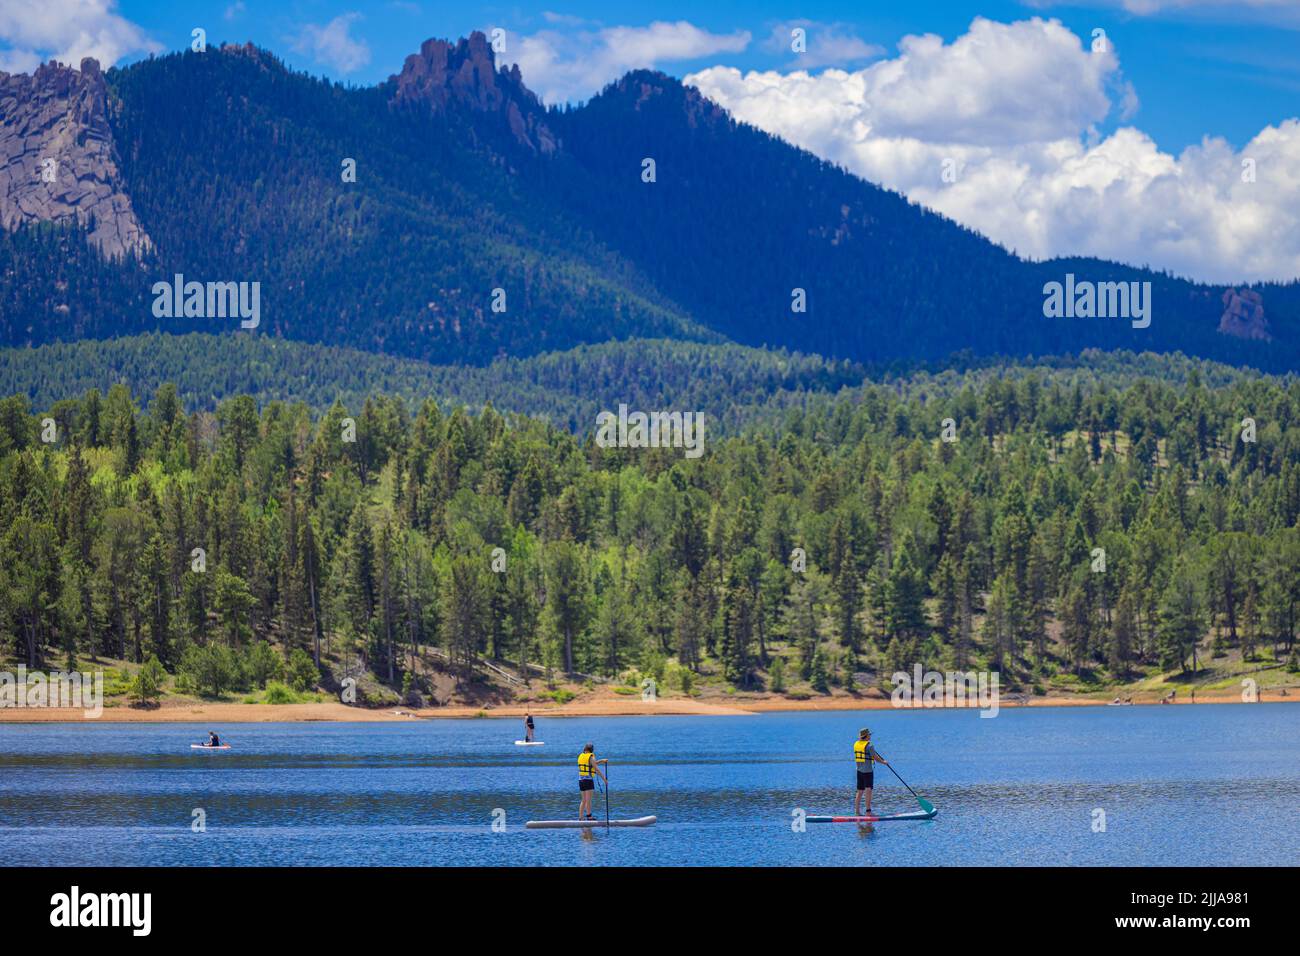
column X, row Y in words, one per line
column 926, row 805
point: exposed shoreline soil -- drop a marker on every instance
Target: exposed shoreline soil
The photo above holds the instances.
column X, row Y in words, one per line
column 612, row 705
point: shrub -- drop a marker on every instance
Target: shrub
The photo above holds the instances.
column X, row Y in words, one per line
column 146, row 687
column 263, row 664
column 656, row 665
column 303, row 673
column 209, row 670
column 278, row 693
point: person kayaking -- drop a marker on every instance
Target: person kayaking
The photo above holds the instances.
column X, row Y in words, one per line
column 588, row 771
column 528, row 727
column 213, row 740
column 865, row 758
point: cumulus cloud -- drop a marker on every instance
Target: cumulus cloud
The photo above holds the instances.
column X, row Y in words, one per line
column 826, row 44
column 1009, row 113
column 563, row 65
column 33, row 31
column 333, row 44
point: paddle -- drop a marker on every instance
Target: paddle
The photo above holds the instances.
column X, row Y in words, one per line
column 606, row 795
column 926, row 805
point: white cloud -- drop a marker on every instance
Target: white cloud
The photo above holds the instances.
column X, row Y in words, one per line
column 563, row 65
column 33, row 31
column 563, row 19
column 1014, row 107
column 1028, row 81
column 826, row 44
column 333, row 44
column 1281, row 12
column 235, row 10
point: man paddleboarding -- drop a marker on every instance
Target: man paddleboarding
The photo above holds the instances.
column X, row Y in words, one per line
column 865, row 759
column 213, row 739
column 528, row 727
column 588, row 771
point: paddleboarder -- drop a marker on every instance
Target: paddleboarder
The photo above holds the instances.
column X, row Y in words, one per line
column 528, row 727
column 865, row 758
column 213, row 739
column 588, row 771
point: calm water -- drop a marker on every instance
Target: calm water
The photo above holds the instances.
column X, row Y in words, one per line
column 1204, row 784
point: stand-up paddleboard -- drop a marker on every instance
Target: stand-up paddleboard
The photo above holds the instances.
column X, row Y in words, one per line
column 885, row 818
column 530, row 743
column 588, row 824
column 208, row 747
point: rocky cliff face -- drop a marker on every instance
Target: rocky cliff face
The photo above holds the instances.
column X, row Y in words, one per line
column 1243, row 315
column 465, row 74
column 57, row 158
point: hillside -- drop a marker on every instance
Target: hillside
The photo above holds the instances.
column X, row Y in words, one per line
column 815, row 556
column 736, row 386
column 465, row 185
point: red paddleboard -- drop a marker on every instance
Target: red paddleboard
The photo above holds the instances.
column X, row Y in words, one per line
column 884, row 818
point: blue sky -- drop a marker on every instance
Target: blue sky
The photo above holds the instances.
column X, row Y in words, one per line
column 1135, row 154
column 1219, row 69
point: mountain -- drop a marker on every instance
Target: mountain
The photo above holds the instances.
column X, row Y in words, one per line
column 481, row 224
column 57, row 158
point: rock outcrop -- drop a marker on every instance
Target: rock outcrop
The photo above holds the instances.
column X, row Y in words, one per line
column 1243, row 315
column 57, row 158
column 443, row 74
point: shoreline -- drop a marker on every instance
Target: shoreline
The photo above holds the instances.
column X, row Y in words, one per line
column 336, row 712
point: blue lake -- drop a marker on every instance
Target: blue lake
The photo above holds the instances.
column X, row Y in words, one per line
column 1182, row 785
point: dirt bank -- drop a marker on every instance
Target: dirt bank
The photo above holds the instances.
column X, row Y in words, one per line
column 608, row 705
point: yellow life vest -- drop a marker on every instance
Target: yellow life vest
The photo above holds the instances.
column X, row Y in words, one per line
column 861, row 754
column 586, row 764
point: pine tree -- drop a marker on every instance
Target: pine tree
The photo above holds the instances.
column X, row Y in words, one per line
column 568, row 602
column 904, row 596
column 948, row 603
column 1077, row 626
column 1181, row 619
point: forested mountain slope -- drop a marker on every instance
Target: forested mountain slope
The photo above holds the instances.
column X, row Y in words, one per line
column 735, row 386
column 465, row 185
column 976, row 552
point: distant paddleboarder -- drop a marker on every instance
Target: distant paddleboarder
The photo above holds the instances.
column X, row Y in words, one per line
column 588, row 771
column 213, row 739
column 528, row 727
column 865, row 759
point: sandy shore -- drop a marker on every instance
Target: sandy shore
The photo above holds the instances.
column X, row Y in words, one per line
column 603, row 706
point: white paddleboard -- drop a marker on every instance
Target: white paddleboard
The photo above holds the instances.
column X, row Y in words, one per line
column 530, row 743
column 588, row 824
column 206, row 747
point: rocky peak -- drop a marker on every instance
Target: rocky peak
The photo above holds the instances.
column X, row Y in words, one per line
column 464, row 74
column 57, row 157
column 1243, row 315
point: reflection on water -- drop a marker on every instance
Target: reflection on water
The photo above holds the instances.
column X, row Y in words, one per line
column 1214, row 785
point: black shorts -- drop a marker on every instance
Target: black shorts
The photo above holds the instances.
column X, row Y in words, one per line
column 864, row 779
column 586, row 783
